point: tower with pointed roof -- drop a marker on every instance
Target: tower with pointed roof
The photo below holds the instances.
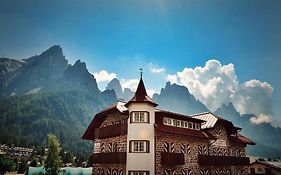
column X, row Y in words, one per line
column 140, row 137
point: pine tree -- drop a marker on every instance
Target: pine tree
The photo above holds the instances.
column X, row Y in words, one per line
column 53, row 161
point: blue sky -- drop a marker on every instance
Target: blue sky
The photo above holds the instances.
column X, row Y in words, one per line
column 121, row 36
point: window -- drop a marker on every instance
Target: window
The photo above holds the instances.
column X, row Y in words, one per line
column 190, row 125
column 178, row 123
column 186, row 124
column 259, row 169
column 138, row 172
column 174, row 123
column 167, row 121
column 182, row 124
column 139, row 146
column 139, row 117
column 197, row 126
column 194, row 126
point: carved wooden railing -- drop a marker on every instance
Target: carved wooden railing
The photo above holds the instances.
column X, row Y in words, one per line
column 111, row 131
column 110, row 158
column 168, row 158
column 210, row 160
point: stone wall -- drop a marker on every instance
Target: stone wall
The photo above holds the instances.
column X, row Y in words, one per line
column 179, row 144
column 192, row 147
column 231, row 149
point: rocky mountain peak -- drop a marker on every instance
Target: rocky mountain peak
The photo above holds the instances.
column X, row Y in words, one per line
column 177, row 98
column 79, row 66
column 116, row 86
column 55, row 50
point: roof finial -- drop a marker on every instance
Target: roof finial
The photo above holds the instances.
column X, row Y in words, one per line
column 141, row 73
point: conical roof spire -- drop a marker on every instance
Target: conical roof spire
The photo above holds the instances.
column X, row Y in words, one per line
column 141, row 95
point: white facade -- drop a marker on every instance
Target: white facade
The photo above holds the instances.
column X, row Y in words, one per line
column 141, row 131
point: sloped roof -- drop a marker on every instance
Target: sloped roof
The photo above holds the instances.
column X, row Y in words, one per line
column 241, row 139
column 178, row 115
column 141, row 95
column 271, row 164
column 97, row 120
column 211, row 120
column 184, row 131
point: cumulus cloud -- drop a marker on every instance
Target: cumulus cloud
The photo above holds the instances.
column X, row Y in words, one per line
column 172, row 78
column 131, row 84
column 155, row 69
column 262, row 118
column 215, row 84
column 104, row 76
column 150, row 92
column 254, row 97
column 212, row 84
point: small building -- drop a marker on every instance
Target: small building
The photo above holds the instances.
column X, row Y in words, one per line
column 265, row 168
column 136, row 138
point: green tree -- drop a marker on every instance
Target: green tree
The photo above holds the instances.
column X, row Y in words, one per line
column 53, row 161
column 90, row 161
column 23, row 166
column 6, row 164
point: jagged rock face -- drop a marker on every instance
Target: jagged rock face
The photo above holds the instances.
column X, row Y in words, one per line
column 48, row 71
column 128, row 94
column 116, row 86
column 77, row 76
column 8, row 70
column 177, row 98
column 39, row 71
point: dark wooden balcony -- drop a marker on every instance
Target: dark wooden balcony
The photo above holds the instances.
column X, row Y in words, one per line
column 110, row 158
column 210, row 160
column 111, row 131
column 172, row 158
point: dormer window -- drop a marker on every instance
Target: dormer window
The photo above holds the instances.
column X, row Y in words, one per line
column 139, row 117
column 180, row 123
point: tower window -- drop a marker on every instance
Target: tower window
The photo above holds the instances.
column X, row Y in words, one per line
column 140, row 117
column 138, row 172
column 139, row 146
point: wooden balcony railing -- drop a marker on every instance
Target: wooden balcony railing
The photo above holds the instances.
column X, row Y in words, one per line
column 111, row 131
column 172, row 158
column 210, row 160
column 110, row 158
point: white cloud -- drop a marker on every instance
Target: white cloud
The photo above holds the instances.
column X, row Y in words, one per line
column 215, row 84
column 172, row 78
column 150, row 92
column 262, row 118
column 155, row 69
column 212, row 84
column 104, row 76
column 254, row 97
column 131, row 84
